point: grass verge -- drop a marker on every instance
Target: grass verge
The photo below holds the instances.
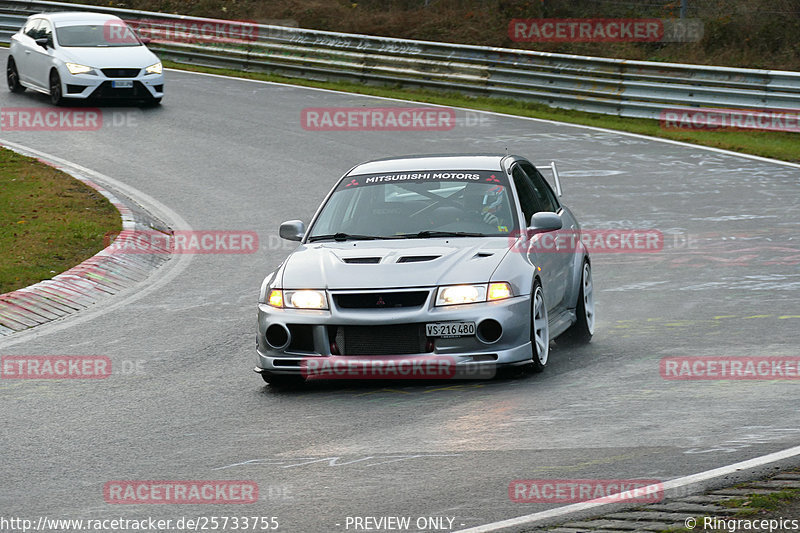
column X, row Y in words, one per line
column 49, row 221
column 777, row 145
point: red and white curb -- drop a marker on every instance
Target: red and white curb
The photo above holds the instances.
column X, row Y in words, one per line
column 81, row 286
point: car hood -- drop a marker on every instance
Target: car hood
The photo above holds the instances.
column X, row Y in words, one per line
column 110, row 57
column 394, row 263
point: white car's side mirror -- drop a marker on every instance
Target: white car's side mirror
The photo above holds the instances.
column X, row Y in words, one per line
column 292, row 230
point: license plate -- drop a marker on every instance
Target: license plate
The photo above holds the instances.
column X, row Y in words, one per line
column 127, row 84
column 450, row 329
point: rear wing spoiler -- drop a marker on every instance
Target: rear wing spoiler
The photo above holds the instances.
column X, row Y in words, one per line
column 556, row 180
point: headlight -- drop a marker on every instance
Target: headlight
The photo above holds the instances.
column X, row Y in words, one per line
column 467, row 294
column 154, row 69
column 298, row 299
column 75, row 68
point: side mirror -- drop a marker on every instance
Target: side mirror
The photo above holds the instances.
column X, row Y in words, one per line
column 545, row 221
column 292, row 230
column 44, row 42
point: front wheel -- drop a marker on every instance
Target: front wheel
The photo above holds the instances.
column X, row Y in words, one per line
column 12, row 77
column 540, row 330
column 56, row 95
column 582, row 330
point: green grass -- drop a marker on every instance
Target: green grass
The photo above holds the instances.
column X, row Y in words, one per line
column 49, row 221
column 764, row 502
column 777, row 145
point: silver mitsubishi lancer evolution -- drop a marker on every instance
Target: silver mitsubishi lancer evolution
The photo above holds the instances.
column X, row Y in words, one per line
column 431, row 266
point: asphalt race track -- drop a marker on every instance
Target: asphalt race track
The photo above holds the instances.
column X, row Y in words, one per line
column 227, row 154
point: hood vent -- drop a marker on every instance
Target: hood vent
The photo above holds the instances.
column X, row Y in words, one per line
column 361, row 260
column 481, row 255
column 417, row 258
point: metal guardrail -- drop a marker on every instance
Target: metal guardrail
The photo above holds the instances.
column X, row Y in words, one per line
column 603, row 85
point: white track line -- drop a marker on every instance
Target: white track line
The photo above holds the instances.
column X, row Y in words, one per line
column 563, row 512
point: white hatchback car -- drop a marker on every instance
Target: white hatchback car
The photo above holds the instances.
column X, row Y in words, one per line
column 76, row 56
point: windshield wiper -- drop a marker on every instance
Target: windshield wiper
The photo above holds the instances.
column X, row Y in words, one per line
column 426, row 234
column 343, row 237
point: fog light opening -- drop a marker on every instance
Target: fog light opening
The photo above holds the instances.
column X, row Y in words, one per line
column 489, row 331
column 277, row 336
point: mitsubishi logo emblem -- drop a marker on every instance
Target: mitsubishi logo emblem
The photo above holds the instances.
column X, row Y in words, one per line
column 380, row 301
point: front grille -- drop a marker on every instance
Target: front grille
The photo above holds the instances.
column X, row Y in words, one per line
column 105, row 91
column 402, row 339
column 381, row 300
column 121, row 72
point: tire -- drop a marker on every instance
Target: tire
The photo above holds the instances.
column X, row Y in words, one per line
column 56, row 94
column 540, row 330
column 582, row 330
column 12, row 77
column 282, row 380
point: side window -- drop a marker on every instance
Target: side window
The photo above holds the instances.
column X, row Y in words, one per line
column 526, row 193
column 544, row 193
column 46, row 31
column 31, row 28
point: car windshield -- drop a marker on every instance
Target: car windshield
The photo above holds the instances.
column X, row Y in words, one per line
column 422, row 204
column 97, row 35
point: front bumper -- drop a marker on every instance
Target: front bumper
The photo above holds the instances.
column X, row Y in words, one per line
column 101, row 86
column 314, row 334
